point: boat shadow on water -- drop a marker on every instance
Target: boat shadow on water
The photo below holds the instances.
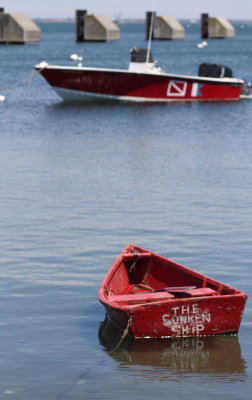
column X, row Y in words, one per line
column 212, row 356
column 104, row 103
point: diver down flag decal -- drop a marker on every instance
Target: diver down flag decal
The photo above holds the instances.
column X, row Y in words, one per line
column 196, row 89
column 177, row 88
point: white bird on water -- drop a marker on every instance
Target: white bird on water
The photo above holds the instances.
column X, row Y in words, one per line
column 202, row 44
column 2, row 98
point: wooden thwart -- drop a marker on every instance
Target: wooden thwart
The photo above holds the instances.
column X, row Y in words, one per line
column 162, row 294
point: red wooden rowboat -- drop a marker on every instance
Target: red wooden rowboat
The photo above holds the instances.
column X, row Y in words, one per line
column 150, row 296
column 142, row 82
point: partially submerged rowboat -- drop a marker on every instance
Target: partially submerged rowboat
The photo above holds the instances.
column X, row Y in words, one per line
column 150, row 296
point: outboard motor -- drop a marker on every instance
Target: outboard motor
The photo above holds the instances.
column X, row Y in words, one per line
column 215, row 71
column 246, row 89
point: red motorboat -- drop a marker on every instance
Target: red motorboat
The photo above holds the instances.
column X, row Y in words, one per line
column 150, row 296
column 142, row 82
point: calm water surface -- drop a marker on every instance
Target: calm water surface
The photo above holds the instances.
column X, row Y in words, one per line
column 79, row 182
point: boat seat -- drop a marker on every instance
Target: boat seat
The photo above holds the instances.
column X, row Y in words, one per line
column 199, row 292
column 160, row 295
column 141, row 297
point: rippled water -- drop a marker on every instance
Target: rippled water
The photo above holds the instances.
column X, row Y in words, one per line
column 79, row 182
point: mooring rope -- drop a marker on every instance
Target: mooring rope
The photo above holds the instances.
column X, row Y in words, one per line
column 27, row 86
column 135, row 261
column 29, row 78
column 16, row 84
column 125, row 332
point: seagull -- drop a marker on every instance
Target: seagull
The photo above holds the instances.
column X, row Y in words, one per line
column 202, row 44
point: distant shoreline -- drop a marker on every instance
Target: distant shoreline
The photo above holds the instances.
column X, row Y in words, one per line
column 137, row 20
column 122, row 21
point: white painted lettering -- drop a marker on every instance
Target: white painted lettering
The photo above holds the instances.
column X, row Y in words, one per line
column 185, row 330
column 175, row 329
column 199, row 329
column 175, row 309
column 175, row 320
column 195, row 309
column 166, row 320
column 185, row 309
column 206, row 317
column 183, row 319
column 190, row 319
column 186, row 320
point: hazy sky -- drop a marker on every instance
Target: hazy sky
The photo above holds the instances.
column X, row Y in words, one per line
column 230, row 9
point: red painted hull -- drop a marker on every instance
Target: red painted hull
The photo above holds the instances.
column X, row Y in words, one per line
column 138, row 294
column 78, row 83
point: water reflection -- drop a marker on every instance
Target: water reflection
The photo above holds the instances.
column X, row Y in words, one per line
column 215, row 357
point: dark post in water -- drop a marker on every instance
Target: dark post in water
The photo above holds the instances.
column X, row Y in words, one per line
column 80, row 22
column 204, row 26
column 149, row 16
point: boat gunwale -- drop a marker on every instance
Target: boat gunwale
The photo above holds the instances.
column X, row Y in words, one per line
column 108, row 301
column 123, row 306
column 152, row 304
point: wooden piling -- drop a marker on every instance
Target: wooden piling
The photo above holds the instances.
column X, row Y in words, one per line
column 80, row 24
column 204, row 26
column 149, row 16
